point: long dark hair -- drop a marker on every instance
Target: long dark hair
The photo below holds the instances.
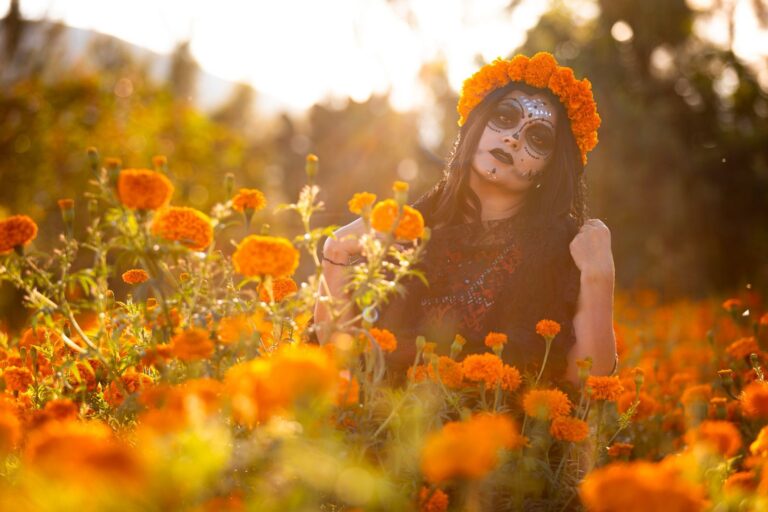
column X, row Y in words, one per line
column 562, row 188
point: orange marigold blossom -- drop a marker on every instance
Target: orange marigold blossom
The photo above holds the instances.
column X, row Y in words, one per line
column 40, row 337
column 131, row 381
column 410, row 226
column 249, row 198
column 282, row 287
column 754, row 400
column 360, row 201
column 385, row 339
column 540, row 71
column 743, row 347
column 10, row 427
column 605, row 388
column 639, row 487
column 743, row 481
column 486, row 368
column 696, row 393
column 135, row 276
column 17, row 378
column 732, row 305
column 76, row 450
column 450, row 372
column 66, row 204
column 620, row 449
column 16, row 231
column 188, row 226
column 546, row 403
column 722, row 436
column 258, row 255
column 547, row 328
column 646, row 407
column 275, row 384
column 143, row 189
column 348, row 392
column 468, row 449
column 567, row 428
column 192, row 345
column 510, row 379
column 495, row 339
column 432, row 500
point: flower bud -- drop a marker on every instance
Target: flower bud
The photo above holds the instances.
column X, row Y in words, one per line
column 457, row 345
column 400, row 188
column 420, row 342
column 161, row 163
column 93, row 159
column 311, row 166
column 67, row 208
column 229, row 184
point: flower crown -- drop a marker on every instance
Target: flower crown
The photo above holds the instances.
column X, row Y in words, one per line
column 541, row 71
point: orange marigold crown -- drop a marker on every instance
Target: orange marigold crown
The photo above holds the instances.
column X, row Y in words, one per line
column 543, row 72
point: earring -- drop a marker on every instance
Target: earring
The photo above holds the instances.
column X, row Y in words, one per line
column 491, row 173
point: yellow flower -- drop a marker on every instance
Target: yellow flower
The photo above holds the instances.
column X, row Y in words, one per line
column 16, row 231
column 567, row 428
column 135, row 276
column 249, row 198
column 265, row 255
column 186, row 225
column 192, row 344
column 360, row 202
column 143, row 189
column 410, row 226
column 546, row 403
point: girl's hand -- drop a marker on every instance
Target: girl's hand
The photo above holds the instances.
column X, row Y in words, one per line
column 591, row 250
column 346, row 243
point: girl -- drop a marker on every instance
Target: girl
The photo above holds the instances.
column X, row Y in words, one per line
column 511, row 243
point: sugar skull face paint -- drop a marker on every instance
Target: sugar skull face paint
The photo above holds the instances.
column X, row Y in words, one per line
column 519, row 139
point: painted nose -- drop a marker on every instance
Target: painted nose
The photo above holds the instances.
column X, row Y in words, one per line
column 511, row 141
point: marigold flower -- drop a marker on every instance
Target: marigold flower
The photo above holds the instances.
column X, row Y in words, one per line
column 17, row 378
column 546, row 403
column 646, row 407
column 605, row 388
column 697, row 393
column 16, row 231
column 733, row 305
column 360, row 201
column 143, row 189
column 723, row 436
column 754, row 400
column 743, row 347
column 188, row 226
column 61, row 409
column 66, row 204
column 40, row 337
column 281, row 288
column 468, row 449
column 495, row 339
column 156, row 354
column 249, row 198
column 132, row 382
column 450, row 372
column 760, row 445
column 744, row 481
column 567, row 428
column 617, row 450
column 510, row 379
column 487, row 368
column 410, row 226
column 547, row 328
column 639, row 487
column 265, row 255
column 348, row 392
column 135, row 276
column 192, row 345
column 432, row 500
column 82, row 450
column 386, row 339
column 10, row 427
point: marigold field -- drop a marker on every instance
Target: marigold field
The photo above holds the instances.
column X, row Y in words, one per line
column 166, row 367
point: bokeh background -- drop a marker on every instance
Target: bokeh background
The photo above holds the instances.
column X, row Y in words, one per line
column 680, row 174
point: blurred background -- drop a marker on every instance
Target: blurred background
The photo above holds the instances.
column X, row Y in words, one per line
column 370, row 86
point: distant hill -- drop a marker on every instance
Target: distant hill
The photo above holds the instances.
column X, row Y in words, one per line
column 210, row 91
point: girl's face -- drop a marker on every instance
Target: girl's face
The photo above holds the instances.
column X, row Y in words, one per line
column 518, row 141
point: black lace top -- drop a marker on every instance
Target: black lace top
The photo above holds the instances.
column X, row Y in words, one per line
column 501, row 276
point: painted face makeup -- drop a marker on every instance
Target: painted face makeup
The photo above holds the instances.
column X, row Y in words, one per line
column 519, row 138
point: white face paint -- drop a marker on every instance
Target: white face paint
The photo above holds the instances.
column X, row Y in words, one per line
column 518, row 141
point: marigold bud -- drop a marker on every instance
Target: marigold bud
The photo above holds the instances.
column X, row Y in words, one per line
column 311, row 166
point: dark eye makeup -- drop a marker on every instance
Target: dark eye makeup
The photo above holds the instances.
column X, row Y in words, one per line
column 505, row 117
column 541, row 138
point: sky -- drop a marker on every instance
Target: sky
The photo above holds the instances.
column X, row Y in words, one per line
column 303, row 51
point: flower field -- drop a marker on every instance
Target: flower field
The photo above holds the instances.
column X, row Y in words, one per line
column 165, row 367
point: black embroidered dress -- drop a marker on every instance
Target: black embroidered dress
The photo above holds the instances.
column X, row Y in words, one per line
column 501, row 276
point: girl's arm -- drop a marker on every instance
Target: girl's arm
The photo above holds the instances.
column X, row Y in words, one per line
column 337, row 250
column 593, row 321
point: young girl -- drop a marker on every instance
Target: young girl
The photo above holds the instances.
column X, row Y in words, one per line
column 511, row 243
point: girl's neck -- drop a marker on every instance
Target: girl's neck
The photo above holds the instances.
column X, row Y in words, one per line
column 495, row 202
